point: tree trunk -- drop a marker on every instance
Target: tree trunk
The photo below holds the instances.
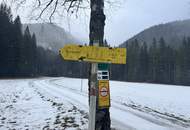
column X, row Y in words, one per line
column 97, row 23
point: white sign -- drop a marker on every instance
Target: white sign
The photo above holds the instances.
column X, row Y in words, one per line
column 103, row 75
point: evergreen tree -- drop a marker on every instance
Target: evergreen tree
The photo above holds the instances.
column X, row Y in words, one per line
column 18, row 39
column 161, row 78
column 133, row 61
column 25, row 53
column 29, row 53
column 34, row 55
column 183, row 63
column 6, row 45
column 171, row 55
column 152, row 62
column 143, row 69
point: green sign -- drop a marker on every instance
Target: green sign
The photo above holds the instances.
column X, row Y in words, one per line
column 103, row 66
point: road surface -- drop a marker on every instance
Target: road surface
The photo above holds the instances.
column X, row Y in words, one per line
column 123, row 117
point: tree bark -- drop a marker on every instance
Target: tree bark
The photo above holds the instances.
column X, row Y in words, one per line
column 97, row 22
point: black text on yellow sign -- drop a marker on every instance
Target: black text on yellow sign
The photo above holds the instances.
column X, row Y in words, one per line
column 94, row 54
column 103, row 94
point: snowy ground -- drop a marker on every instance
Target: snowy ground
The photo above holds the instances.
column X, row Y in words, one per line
column 24, row 107
column 62, row 103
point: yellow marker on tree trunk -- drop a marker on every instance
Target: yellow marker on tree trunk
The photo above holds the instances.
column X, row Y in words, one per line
column 103, row 94
column 94, row 54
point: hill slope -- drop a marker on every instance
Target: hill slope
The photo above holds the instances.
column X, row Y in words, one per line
column 172, row 32
column 50, row 36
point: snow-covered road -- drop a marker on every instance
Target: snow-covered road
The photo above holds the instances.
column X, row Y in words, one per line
column 65, row 101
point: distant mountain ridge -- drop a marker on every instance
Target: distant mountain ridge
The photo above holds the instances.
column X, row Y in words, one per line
column 50, row 36
column 172, row 32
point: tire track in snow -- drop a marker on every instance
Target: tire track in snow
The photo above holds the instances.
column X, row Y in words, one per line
column 67, row 94
column 77, row 97
column 123, row 108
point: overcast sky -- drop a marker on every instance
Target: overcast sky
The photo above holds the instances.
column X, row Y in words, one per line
column 137, row 15
column 129, row 19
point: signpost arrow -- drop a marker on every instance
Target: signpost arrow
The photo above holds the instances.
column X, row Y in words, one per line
column 94, row 54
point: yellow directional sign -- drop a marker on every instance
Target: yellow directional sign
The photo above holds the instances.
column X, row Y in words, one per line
column 94, row 54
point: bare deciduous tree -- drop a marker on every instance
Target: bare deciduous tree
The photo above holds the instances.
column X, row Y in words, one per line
column 49, row 8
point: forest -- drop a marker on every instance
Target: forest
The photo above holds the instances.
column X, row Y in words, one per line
column 157, row 63
column 21, row 57
column 17, row 50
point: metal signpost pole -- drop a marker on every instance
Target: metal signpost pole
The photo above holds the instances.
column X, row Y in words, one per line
column 92, row 109
column 93, row 95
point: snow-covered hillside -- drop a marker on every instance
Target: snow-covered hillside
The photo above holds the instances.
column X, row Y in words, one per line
column 57, row 103
column 51, row 36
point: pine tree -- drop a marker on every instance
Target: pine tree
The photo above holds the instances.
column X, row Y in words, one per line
column 143, row 69
column 188, row 61
column 152, row 62
column 162, row 61
column 18, row 39
column 34, row 55
column 133, row 61
column 6, row 44
column 183, row 63
column 169, row 65
column 25, row 53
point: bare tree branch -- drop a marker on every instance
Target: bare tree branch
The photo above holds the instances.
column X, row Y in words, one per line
column 49, row 9
column 53, row 10
column 45, row 8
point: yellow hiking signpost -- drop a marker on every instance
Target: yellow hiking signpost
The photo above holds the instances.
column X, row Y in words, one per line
column 94, row 54
column 99, row 89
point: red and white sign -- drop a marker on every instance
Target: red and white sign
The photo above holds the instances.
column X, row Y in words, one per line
column 104, row 92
